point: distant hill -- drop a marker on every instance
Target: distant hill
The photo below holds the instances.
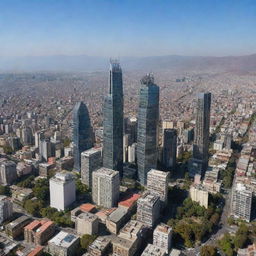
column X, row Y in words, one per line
column 155, row 63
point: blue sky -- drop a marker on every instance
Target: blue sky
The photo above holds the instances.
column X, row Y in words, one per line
column 127, row 27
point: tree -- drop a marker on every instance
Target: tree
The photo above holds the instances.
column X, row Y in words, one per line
column 41, row 189
column 33, row 207
column 241, row 237
column 7, row 149
column 81, row 188
column 86, row 240
column 27, row 183
column 4, row 190
column 208, row 250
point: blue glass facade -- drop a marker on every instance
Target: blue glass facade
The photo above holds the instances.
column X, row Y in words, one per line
column 147, row 135
column 113, row 121
column 82, row 133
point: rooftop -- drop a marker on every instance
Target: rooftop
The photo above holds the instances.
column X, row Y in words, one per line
column 91, row 151
column 106, row 172
column 63, row 239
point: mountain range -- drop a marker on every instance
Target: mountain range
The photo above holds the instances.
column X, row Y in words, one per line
column 84, row 63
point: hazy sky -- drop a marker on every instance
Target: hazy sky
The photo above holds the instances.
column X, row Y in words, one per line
column 127, row 27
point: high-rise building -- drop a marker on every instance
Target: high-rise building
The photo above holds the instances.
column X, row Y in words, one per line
column 91, row 160
column 148, row 209
column 27, row 136
column 82, row 133
column 152, row 250
column 201, row 139
column 241, row 204
column 169, row 148
column 148, row 118
column 157, row 183
column 199, row 194
column 46, row 149
column 162, row 237
column 62, row 191
column 6, row 208
column 113, row 121
column 8, row 172
column 105, row 187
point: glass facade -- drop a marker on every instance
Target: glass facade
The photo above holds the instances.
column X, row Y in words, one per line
column 113, row 121
column 147, row 134
column 82, row 133
column 201, row 141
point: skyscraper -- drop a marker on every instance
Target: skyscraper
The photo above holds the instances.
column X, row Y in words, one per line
column 148, row 118
column 82, row 133
column 201, row 141
column 169, row 148
column 113, row 121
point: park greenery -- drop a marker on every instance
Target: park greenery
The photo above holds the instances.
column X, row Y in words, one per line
column 194, row 223
column 208, row 250
column 229, row 244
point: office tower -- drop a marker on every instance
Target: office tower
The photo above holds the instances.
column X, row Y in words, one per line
column 6, row 209
column 241, row 202
column 169, row 148
column 105, row 187
column 46, row 149
column 27, row 136
column 162, row 237
column 113, row 121
column 14, row 143
column 148, row 209
column 201, row 140
column 62, row 191
column 39, row 135
column 148, row 118
column 91, row 160
column 82, row 133
column 132, row 153
column 8, row 172
column 130, row 128
column 125, row 147
column 157, row 183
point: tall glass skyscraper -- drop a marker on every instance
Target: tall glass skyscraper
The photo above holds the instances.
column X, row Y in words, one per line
column 201, row 141
column 113, row 120
column 82, row 133
column 147, row 134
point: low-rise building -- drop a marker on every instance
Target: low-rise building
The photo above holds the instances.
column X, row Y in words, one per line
column 100, row 246
column 117, row 219
column 86, row 223
column 39, row 232
column 152, row 250
column 63, row 244
column 15, row 228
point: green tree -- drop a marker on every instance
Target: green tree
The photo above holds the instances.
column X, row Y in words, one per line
column 241, row 237
column 86, row 240
column 5, row 190
column 41, row 189
column 81, row 188
column 33, row 207
column 208, row 250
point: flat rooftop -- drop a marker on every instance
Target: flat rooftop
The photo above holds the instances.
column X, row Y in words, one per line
column 63, row 239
